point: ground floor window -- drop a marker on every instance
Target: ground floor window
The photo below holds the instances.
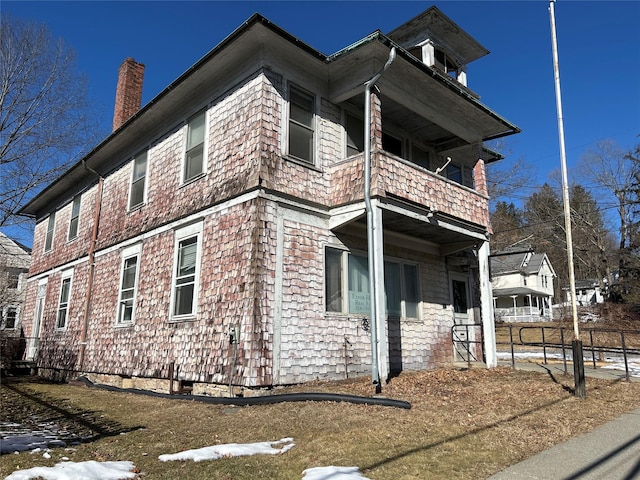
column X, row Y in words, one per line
column 186, row 272
column 128, row 285
column 63, row 303
column 347, row 285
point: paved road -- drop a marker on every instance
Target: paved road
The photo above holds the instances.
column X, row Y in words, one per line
column 610, row 452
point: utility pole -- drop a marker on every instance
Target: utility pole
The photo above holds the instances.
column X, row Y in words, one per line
column 578, row 359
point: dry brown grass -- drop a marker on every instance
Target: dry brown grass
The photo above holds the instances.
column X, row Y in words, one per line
column 464, row 424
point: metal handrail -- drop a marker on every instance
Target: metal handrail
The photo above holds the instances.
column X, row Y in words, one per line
column 466, row 342
column 620, row 348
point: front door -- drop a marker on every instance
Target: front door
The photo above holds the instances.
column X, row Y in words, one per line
column 34, row 340
column 460, row 301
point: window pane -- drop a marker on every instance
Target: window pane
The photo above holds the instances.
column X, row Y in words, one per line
column 333, row 280
column 184, row 300
column 301, row 109
column 139, row 166
column 61, row 321
column 392, row 288
column 420, row 156
column 300, row 142
column 129, row 273
column 355, row 134
column 187, row 256
column 137, row 193
column 193, row 162
column 459, row 288
column 358, row 285
column 196, row 131
column 411, row 291
column 454, row 173
column 391, row 144
column 64, row 291
column 50, row 228
column 73, row 228
column 126, row 311
column 10, row 321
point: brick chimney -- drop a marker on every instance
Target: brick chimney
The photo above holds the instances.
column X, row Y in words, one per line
column 128, row 92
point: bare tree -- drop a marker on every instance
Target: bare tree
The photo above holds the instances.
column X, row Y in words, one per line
column 608, row 167
column 46, row 121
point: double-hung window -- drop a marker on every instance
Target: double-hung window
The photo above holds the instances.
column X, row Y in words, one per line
column 51, row 225
column 128, row 285
column 194, row 154
column 138, row 180
column 347, row 285
column 63, row 302
column 186, row 271
column 75, row 218
column 10, row 317
column 301, row 124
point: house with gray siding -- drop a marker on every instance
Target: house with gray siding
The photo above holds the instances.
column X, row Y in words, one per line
column 218, row 239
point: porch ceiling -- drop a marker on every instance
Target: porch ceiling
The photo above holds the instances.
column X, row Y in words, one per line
column 507, row 292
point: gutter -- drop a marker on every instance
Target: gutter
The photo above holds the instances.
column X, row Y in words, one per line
column 91, row 261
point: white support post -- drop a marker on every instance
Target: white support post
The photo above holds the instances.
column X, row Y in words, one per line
column 381, row 307
column 486, row 307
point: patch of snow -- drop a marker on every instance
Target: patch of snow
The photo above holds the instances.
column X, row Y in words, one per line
column 230, row 450
column 90, row 470
column 333, row 473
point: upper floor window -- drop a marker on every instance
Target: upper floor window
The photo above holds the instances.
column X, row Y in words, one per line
column 392, row 144
column 301, row 124
column 186, row 271
column 138, row 180
column 419, row 156
column 128, row 285
column 194, row 155
column 13, row 277
column 51, row 224
column 63, row 302
column 75, row 218
column 9, row 318
column 354, row 127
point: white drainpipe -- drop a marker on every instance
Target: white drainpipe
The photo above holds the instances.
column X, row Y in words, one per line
column 373, row 291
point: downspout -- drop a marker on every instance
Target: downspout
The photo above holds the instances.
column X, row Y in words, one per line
column 91, row 261
column 375, row 371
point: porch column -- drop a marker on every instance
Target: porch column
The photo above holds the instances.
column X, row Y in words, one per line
column 486, row 307
column 381, row 307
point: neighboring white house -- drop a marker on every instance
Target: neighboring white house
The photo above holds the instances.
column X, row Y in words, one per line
column 522, row 283
column 588, row 292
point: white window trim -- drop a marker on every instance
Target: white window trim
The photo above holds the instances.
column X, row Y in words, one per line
column 127, row 253
column 205, row 147
column 461, row 278
column 285, row 123
column 53, row 232
column 69, row 236
column 193, row 230
column 67, row 274
column 344, row 260
column 5, row 314
column 146, row 181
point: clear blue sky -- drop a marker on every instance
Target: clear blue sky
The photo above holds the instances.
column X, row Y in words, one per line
column 598, row 43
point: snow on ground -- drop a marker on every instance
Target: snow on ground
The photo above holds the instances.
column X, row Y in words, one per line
column 333, row 473
column 613, row 363
column 90, row 470
column 231, row 450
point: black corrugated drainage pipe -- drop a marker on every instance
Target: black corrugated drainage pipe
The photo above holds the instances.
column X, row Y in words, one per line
column 261, row 400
